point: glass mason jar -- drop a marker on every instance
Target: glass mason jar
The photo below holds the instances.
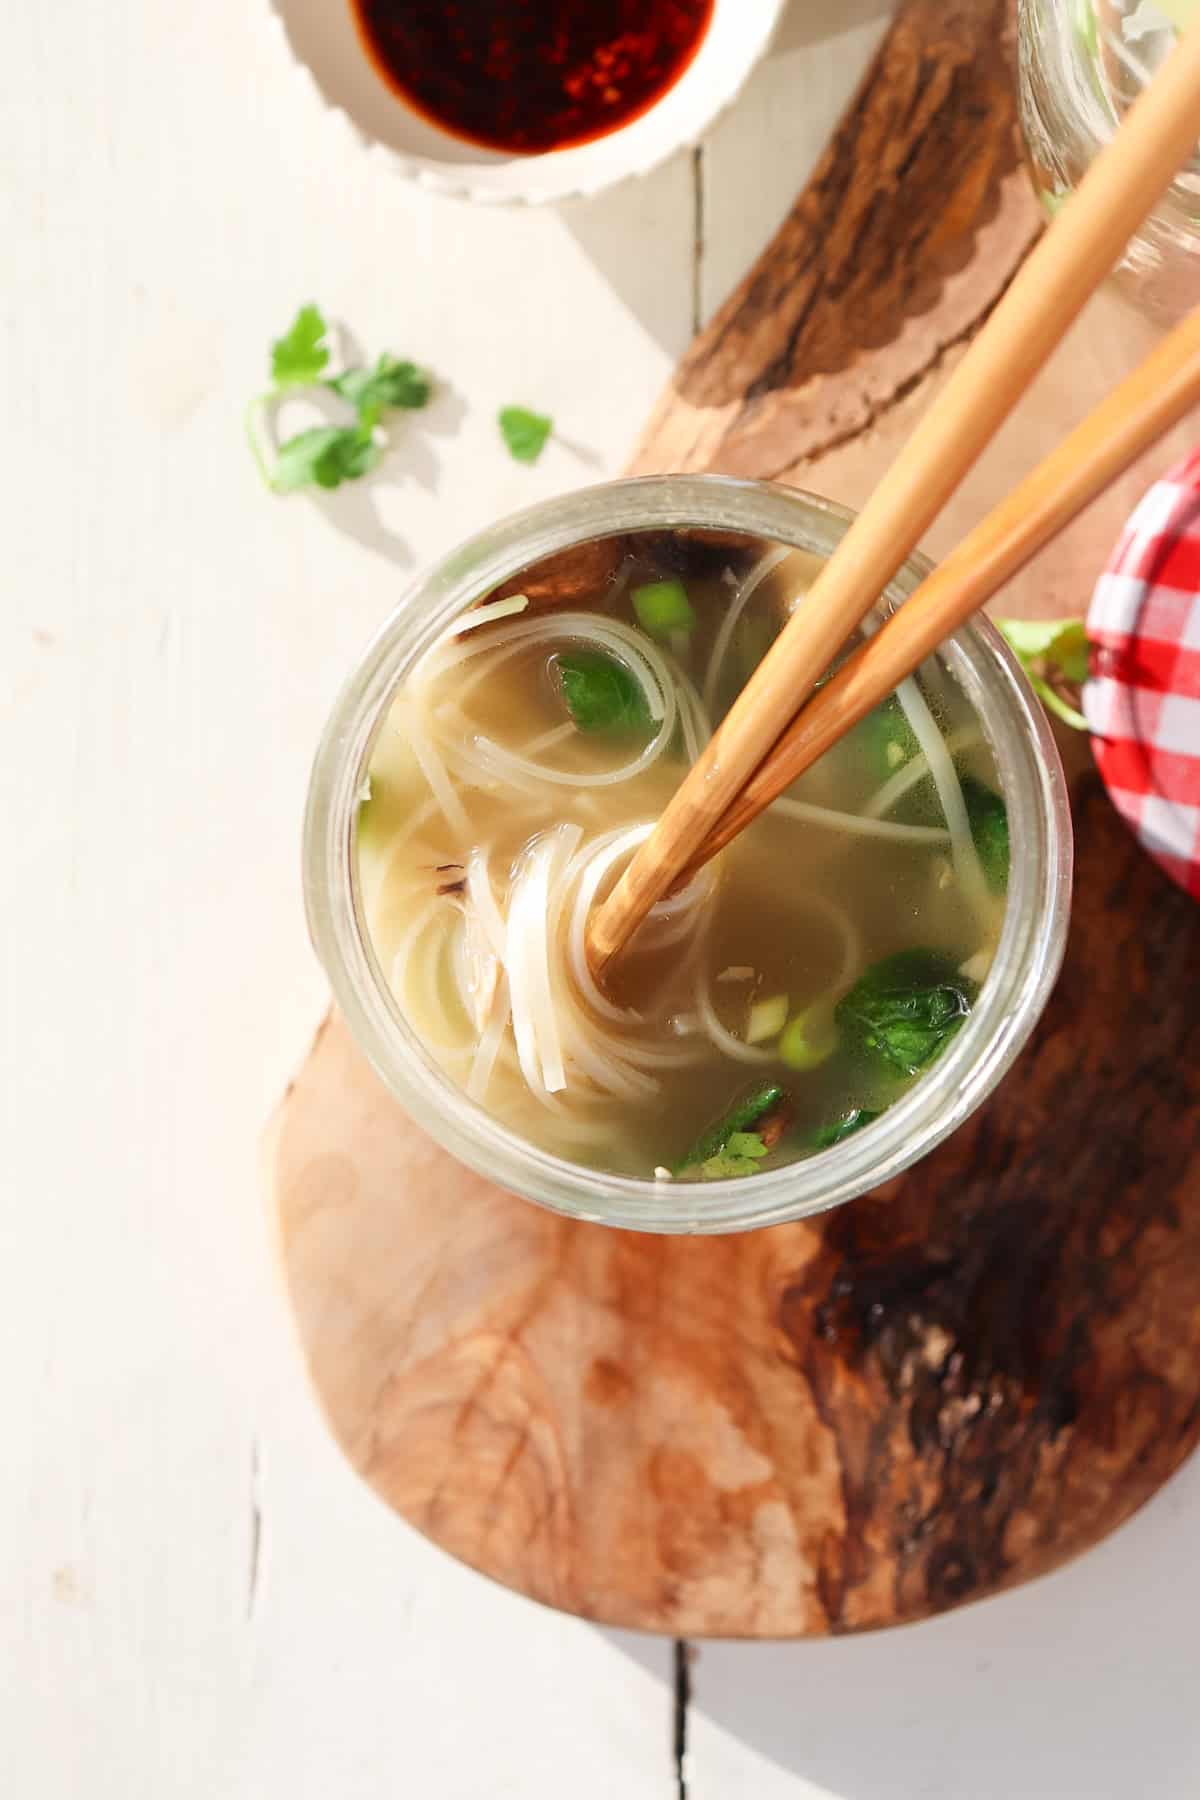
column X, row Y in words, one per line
column 1081, row 65
column 1026, row 961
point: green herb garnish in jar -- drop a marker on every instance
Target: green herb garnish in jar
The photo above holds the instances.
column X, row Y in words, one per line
column 766, row 1101
column 825, row 1136
column 987, row 816
column 905, row 1009
column 600, row 694
column 663, row 610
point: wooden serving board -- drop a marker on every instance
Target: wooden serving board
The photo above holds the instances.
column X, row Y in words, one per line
column 957, row 1382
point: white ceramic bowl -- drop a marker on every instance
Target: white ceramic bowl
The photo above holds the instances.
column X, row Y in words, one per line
column 322, row 38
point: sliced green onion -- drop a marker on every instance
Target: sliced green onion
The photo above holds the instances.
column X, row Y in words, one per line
column 809, row 1040
column 747, row 1111
column 741, row 1156
column 767, row 1019
column 663, row 608
column 977, row 967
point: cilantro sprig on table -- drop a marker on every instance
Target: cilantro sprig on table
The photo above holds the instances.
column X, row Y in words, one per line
column 526, row 433
column 301, row 356
column 1054, row 655
column 326, row 455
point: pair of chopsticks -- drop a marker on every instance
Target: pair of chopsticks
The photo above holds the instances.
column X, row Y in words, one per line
column 765, row 740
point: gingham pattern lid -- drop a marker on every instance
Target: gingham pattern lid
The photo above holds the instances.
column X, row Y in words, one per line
column 1142, row 701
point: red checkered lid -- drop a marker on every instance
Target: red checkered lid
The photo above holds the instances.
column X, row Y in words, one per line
column 1142, row 700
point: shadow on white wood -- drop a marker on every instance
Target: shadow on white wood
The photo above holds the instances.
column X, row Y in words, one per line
column 196, row 1598
column 742, row 181
column 1078, row 1687
column 757, row 159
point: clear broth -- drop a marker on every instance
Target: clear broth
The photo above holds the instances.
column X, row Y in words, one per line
column 802, row 907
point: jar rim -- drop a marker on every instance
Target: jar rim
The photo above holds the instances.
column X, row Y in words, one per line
column 1027, row 958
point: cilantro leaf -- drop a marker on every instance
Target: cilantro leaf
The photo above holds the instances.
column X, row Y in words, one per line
column 741, row 1156
column 391, row 383
column 746, row 1143
column 905, row 1010
column 1051, row 651
column 737, row 1122
column 326, row 455
column 1062, row 642
column 524, row 432
column 724, row 1167
column 988, row 819
column 300, row 357
column 600, row 693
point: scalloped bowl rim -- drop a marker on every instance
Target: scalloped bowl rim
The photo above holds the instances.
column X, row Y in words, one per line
column 322, row 41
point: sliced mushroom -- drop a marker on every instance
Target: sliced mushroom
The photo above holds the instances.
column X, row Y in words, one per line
column 577, row 576
column 696, row 552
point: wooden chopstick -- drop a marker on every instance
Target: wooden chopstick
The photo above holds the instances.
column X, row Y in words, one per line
column 1072, row 258
column 1147, row 403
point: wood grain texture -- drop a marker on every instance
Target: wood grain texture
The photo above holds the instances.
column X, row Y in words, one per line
column 1048, row 293
column 949, row 1386
column 1161, row 391
column 912, row 225
column 918, row 215
column 945, row 1388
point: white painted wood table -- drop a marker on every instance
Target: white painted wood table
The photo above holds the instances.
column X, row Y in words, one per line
column 197, row 1599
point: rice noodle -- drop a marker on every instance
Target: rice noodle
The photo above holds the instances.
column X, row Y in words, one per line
column 483, row 899
column 674, row 912
column 848, row 972
column 726, row 1043
column 607, row 851
column 413, row 823
column 629, row 647
column 914, row 771
column 558, row 734
column 694, row 719
column 658, row 683
column 434, row 771
column 387, row 868
column 490, row 1041
column 522, row 768
column 737, row 606
column 470, row 765
column 638, row 1053
column 857, row 826
column 613, row 1074
column 506, row 947
column 406, row 965
column 945, row 779
column 527, row 954
column 852, row 962
column 440, row 662
column 484, row 615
